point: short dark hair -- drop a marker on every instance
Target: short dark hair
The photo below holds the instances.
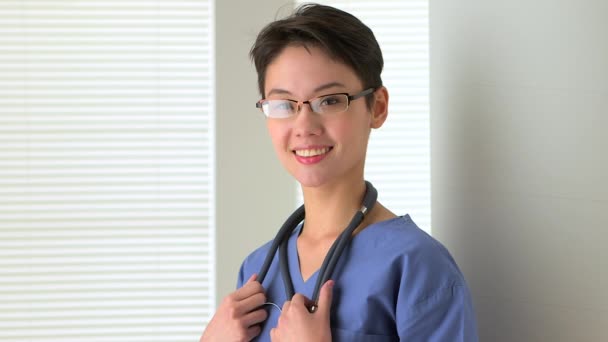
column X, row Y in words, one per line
column 338, row 33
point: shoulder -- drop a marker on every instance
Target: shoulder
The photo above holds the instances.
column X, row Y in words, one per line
column 432, row 298
column 402, row 237
column 420, row 259
column 409, row 278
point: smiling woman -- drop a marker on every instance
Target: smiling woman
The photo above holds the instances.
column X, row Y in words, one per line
column 106, row 170
column 352, row 270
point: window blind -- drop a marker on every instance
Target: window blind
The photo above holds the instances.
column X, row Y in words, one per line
column 398, row 158
column 106, row 170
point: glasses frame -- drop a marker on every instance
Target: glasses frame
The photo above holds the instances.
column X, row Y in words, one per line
column 299, row 104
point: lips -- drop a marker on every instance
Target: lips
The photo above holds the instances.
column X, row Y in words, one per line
column 311, row 155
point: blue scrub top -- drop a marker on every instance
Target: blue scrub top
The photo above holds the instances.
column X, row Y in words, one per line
column 393, row 283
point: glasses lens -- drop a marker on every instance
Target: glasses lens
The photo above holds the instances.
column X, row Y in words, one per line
column 279, row 108
column 330, row 104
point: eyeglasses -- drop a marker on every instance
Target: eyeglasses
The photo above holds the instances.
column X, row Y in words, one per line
column 325, row 104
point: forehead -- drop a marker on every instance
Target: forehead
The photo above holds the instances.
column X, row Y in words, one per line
column 300, row 70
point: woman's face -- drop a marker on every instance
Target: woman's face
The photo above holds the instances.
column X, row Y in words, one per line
column 320, row 149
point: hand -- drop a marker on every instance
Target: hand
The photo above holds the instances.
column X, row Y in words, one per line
column 296, row 323
column 237, row 318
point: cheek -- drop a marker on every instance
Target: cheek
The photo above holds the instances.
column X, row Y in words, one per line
column 278, row 134
column 350, row 131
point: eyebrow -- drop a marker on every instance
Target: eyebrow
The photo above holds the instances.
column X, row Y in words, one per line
column 316, row 90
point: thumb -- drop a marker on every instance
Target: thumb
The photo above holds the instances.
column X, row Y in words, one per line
column 325, row 297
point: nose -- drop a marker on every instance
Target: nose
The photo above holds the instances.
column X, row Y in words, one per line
column 307, row 122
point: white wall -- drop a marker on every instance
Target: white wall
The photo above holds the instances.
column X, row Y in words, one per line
column 253, row 190
column 519, row 120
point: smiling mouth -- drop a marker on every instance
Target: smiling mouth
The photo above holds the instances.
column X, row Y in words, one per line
column 312, row 152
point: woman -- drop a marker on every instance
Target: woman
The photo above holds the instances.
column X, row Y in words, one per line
column 319, row 77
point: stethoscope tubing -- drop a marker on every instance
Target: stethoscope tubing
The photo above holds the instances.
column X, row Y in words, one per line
column 293, row 220
column 333, row 255
column 335, row 252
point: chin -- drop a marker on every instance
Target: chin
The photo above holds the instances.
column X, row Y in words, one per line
column 311, row 181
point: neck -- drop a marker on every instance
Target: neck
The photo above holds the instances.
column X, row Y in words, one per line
column 330, row 208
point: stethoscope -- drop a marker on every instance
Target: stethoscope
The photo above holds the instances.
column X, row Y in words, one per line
column 331, row 259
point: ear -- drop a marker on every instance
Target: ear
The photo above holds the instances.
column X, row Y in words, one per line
column 379, row 108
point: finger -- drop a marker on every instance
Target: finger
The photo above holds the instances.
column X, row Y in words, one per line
column 299, row 299
column 248, row 290
column 255, row 317
column 325, row 297
column 252, row 278
column 253, row 331
column 251, row 303
column 286, row 306
column 302, row 303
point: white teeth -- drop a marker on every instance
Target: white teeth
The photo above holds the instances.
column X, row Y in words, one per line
column 312, row 152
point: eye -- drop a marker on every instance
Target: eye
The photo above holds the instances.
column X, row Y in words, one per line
column 332, row 100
